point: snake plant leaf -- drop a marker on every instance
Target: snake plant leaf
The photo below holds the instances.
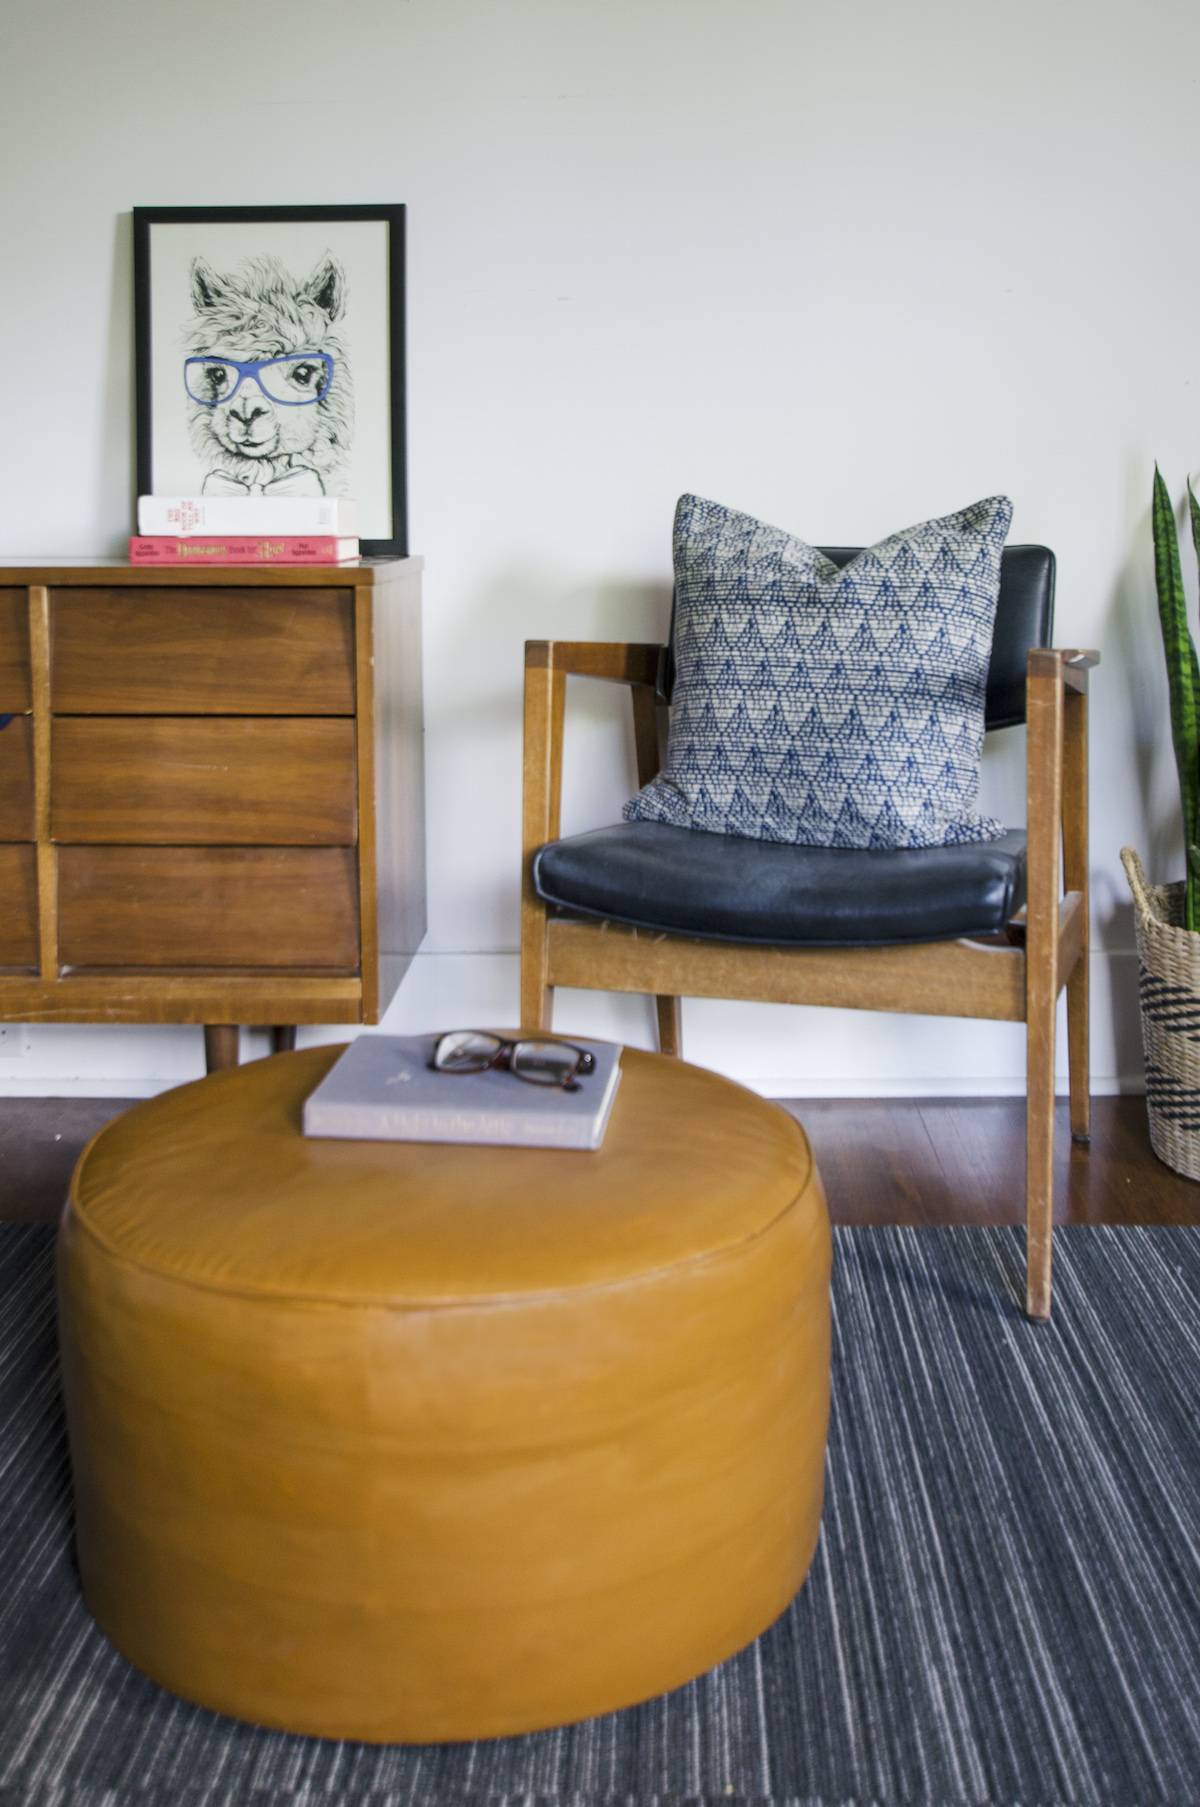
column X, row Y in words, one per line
column 1193, row 879
column 1192, row 908
column 1183, row 676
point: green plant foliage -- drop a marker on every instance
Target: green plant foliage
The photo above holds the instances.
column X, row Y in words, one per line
column 1183, row 676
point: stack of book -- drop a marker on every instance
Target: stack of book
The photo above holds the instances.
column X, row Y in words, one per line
column 245, row 530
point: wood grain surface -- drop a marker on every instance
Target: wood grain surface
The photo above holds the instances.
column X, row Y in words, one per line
column 47, row 853
column 280, row 781
column 18, row 907
column 184, row 994
column 190, row 757
column 250, row 907
column 17, row 818
column 181, row 652
column 391, row 783
column 945, row 1161
column 14, row 650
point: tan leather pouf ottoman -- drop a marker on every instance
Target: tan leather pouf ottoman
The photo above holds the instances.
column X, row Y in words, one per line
column 393, row 1441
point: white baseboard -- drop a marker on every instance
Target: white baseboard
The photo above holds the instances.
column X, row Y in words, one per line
column 781, row 1051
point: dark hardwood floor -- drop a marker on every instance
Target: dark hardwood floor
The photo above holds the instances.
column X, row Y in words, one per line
column 40, row 1141
column 899, row 1160
column 962, row 1161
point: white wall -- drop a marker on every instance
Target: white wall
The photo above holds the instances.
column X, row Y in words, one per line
column 842, row 265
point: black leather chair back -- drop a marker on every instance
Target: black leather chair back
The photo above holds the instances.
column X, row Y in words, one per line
column 1024, row 618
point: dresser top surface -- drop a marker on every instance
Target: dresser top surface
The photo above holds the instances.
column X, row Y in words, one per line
column 107, row 571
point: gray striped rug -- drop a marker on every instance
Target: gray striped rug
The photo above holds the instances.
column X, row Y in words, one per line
column 1003, row 1609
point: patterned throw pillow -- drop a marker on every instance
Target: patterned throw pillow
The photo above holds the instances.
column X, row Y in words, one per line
column 827, row 707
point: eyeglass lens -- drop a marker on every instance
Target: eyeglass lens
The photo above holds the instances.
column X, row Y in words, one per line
column 539, row 1062
column 466, row 1051
column 544, row 1063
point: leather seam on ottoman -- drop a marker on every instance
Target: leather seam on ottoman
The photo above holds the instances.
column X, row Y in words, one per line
column 481, row 1303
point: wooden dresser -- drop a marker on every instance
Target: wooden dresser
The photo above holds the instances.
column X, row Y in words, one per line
column 211, row 794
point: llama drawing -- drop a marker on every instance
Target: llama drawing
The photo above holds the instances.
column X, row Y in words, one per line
column 271, row 404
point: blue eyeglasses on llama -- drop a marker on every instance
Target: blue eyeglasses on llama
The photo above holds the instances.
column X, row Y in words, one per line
column 294, row 381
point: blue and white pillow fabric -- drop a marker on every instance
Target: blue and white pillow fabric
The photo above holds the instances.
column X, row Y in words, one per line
column 829, row 707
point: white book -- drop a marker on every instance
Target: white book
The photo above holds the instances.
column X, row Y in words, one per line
column 189, row 517
column 382, row 1089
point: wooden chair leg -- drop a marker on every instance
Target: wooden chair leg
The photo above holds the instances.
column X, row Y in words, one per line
column 670, row 1025
column 537, row 997
column 220, row 1046
column 283, row 1038
column 545, row 700
column 1078, row 1059
column 1039, row 1155
column 1075, row 878
column 649, row 724
column 1044, row 719
column 537, row 994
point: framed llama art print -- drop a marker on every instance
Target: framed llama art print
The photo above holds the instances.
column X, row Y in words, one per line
column 269, row 353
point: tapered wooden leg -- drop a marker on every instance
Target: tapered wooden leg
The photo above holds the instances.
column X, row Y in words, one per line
column 545, row 699
column 1044, row 718
column 283, row 1038
column 220, row 1046
column 649, row 720
column 1039, row 1155
column 670, row 1025
column 537, row 997
column 1077, row 1052
column 1075, row 878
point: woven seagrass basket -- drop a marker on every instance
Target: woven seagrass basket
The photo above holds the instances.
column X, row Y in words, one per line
column 1169, row 995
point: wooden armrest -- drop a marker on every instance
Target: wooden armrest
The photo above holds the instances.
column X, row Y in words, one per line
column 547, row 665
column 618, row 661
column 1062, row 664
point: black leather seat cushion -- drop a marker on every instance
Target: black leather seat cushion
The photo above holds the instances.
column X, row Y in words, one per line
column 724, row 888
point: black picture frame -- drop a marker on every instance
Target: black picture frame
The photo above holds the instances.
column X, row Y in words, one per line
column 387, row 314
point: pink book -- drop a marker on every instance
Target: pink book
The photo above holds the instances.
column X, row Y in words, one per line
column 259, row 549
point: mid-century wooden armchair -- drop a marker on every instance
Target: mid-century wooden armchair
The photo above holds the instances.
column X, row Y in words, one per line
column 991, row 930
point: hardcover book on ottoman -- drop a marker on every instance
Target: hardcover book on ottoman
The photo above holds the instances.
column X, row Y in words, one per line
column 385, row 1089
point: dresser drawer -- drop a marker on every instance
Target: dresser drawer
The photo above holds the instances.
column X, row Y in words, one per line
column 202, row 651
column 223, row 907
column 175, row 780
column 14, row 651
column 18, row 913
column 17, row 822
